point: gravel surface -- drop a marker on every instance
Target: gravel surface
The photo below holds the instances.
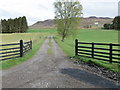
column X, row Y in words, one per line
column 52, row 71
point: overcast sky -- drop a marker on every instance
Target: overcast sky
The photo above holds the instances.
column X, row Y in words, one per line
column 39, row 10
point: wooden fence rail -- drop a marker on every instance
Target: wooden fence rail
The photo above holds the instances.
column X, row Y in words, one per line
column 14, row 50
column 96, row 51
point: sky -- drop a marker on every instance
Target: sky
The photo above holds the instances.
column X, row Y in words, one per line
column 39, row 10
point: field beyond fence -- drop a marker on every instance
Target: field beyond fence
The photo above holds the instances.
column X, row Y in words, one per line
column 14, row 50
column 96, row 51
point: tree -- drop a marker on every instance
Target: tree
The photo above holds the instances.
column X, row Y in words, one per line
column 116, row 23
column 11, row 25
column 0, row 26
column 111, row 26
column 67, row 17
column 17, row 25
column 20, row 24
column 5, row 26
column 24, row 24
column 107, row 26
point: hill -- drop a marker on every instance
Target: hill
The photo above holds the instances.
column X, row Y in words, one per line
column 92, row 22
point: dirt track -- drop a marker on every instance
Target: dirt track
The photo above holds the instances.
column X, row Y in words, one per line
column 52, row 71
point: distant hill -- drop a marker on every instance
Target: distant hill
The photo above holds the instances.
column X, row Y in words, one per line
column 43, row 24
column 85, row 23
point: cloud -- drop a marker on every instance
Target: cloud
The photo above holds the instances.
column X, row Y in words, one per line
column 9, row 14
column 36, row 10
column 33, row 9
column 105, row 8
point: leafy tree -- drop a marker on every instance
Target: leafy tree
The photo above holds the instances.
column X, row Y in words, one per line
column 67, row 17
column 111, row 26
column 107, row 26
column 116, row 22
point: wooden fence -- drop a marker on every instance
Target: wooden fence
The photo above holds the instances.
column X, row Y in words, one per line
column 14, row 50
column 96, row 51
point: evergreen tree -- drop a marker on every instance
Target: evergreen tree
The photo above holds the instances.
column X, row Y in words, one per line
column 10, row 25
column 4, row 26
column 0, row 27
column 17, row 25
column 20, row 25
column 24, row 22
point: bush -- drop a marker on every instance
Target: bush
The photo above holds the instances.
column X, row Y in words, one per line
column 116, row 23
column 107, row 26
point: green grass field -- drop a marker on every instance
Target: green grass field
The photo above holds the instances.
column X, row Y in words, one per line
column 96, row 36
column 84, row 35
column 36, row 38
column 16, row 37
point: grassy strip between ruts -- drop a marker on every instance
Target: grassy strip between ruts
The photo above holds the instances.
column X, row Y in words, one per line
column 12, row 62
column 50, row 47
column 69, row 50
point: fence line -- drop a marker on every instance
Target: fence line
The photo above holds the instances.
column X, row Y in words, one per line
column 93, row 53
column 15, row 50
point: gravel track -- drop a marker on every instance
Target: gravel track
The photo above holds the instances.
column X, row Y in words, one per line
column 52, row 71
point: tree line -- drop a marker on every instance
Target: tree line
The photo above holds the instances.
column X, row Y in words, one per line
column 114, row 25
column 17, row 25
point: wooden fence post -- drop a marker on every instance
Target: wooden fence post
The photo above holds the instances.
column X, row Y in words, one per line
column 92, row 50
column 110, row 52
column 30, row 44
column 76, row 47
column 21, row 48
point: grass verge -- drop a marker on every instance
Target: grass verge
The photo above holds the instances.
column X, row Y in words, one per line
column 12, row 62
column 113, row 67
column 69, row 50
